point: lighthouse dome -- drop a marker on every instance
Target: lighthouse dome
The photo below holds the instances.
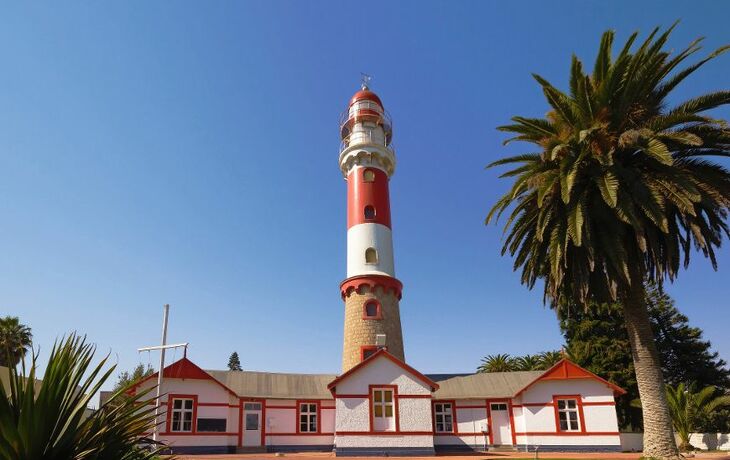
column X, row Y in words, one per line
column 365, row 95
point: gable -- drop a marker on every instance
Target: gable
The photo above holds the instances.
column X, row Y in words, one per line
column 182, row 369
column 382, row 368
column 566, row 370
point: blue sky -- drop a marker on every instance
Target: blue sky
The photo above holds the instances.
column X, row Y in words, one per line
column 186, row 153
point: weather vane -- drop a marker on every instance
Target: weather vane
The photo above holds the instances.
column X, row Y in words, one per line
column 365, row 80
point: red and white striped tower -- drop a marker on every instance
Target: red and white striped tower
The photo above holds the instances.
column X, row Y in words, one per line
column 371, row 292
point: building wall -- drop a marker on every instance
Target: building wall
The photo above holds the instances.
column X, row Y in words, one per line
column 413, row 435
column 382, row 372
column 535, row 416
column 213, row 401
column 282, row 426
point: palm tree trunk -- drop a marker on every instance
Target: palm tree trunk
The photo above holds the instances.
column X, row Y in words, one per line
column 659, row 440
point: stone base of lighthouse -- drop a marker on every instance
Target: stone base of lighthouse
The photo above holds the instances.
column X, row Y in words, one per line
column 360, row 330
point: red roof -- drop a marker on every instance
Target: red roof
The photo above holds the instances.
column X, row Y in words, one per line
column 365, row 95
column 182, row 369
column 568, row 370
column 384, row 353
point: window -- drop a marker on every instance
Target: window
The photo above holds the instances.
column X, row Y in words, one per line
column 367, row 351
column 368, row 175
column 371, row 256
column 499, row 406
column 382, row 403
column 212, row 424
column 308, row 418
column 182, row 415
column 568, row 415
column 371, row 310
column 252, row 406
column 369, row 212
column 252, row 422
column 444, row 417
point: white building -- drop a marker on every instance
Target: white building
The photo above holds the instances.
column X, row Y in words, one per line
column 379, row 405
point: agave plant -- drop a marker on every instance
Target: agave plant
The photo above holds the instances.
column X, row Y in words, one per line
column 620, row 191
column 688, row 405
column 48, row 419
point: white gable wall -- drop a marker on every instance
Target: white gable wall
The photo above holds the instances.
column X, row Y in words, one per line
column 535, row 421
column 382, row 371
column 207, row 392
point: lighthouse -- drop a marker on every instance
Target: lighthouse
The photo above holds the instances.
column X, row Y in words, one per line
column 371, row 291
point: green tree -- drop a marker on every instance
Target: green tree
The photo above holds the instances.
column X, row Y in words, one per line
column 15, row 340
column 126, row 378
column 48, row 419
column 234, row 363
column 527, row 363
column 619, row 192
column 550, row 358
column 497, row 363
column 687, row 406
column 597, row 340
column 686, row 357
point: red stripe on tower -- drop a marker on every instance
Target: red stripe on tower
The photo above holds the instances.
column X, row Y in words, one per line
column 367, row 197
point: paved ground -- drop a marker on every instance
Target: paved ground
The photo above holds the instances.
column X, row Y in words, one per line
column 475, row 456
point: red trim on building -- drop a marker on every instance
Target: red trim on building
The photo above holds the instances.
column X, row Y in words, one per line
column 364, row 349
column 454, row 422
column 318, row 414
column 568, row 370
column 568, row 433
column 182, row 369
column 354, row 283
column 396, row 408
column 489, row 424
column 384, row 353
column 362, row 193
column 240, row 423
column 263, row 422
column 384, row 433
column 512, row 422
column 378, row 310
column 301, row 434
column 579, row 406
column 168, row 416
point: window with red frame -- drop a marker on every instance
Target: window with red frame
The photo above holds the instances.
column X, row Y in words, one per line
column 568, row 415
column 444, row 415
column 182, row 415
column 367, row 352
column 308, row 417
column 371, row 310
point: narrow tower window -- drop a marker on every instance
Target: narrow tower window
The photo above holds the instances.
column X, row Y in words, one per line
column 368, row 175
column 369, row 212
column 371, row 256
column 371, row 310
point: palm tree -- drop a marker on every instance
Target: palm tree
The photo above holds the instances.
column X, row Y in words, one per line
column 550, row 358
column 497, row 363
column 619, row 193
column 49, row 418
column 15, row 340
column 687, row 405
column 527, row 363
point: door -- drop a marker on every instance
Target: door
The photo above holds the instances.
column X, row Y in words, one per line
column 501, row 431
column 383, row 409
column 252, row 424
